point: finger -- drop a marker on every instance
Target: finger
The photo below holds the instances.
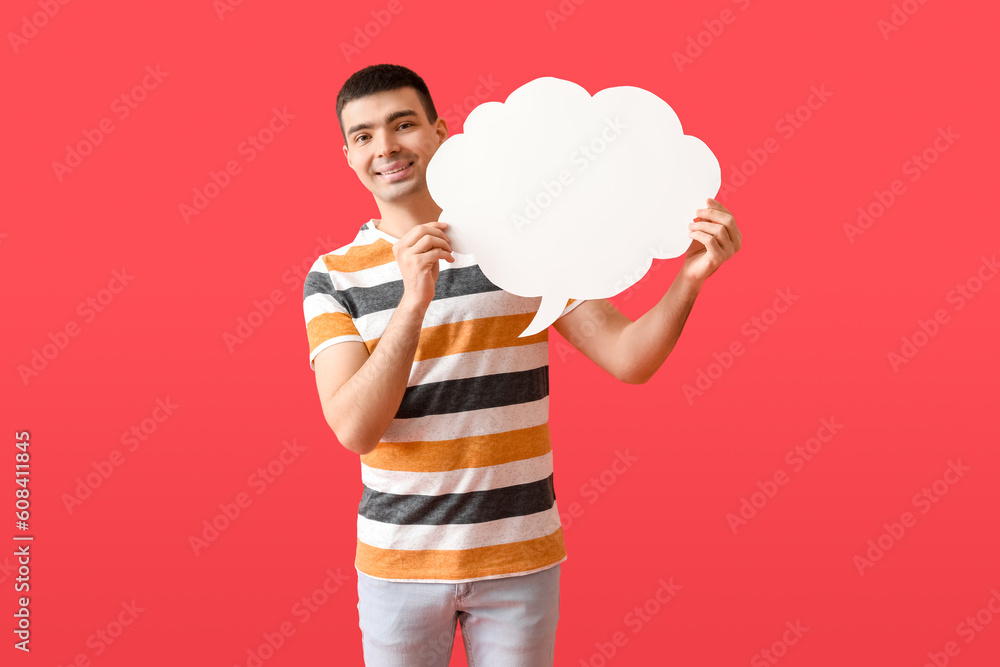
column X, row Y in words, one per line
column 432, row 256
column 726, row 220
column 714, row 203
column 719, row 232
column 706, row 239
column 715, row 215
column 420, row 232
column 429, row 242
column 437, row 228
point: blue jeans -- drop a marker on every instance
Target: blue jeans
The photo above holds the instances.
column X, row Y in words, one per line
column 506, row 622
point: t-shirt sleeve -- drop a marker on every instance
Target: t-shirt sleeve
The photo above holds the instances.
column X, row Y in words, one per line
column 327, row 320
column 570, row 305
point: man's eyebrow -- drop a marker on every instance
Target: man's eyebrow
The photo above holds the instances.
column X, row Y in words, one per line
column 388, row 119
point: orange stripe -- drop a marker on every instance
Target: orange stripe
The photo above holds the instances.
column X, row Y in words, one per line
column 462, row 563
column 470, row 452
column 329, row 325
column 484, row 333
column 361, row 257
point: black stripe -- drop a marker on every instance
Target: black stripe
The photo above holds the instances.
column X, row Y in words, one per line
column 453, row 508
column 475, row 393
column 361, row 301
column 317, row 282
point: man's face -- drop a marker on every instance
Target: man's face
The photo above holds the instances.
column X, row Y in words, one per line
column 389, row 131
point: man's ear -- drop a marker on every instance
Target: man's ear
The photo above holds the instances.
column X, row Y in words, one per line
column 441, row 127
column 347, row 154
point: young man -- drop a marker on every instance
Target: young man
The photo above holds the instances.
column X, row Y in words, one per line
column 421, row 372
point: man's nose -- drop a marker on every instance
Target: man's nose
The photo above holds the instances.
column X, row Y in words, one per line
column 387, row 145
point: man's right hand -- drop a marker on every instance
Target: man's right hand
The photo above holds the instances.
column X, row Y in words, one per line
column 418, row 254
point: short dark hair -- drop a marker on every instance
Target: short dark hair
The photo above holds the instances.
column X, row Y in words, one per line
column 379, row 78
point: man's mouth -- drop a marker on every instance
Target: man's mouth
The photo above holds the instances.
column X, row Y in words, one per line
column 396, row 170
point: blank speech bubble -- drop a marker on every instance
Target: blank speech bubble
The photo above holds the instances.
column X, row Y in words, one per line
column 562, row 195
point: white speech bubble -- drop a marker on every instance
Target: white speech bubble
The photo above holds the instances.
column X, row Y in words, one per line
column 562, row 195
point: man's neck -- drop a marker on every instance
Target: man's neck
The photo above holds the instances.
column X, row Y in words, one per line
column 397, row 221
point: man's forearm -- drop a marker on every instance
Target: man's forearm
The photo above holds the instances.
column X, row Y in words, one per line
column 644, row 344
column 366, row 404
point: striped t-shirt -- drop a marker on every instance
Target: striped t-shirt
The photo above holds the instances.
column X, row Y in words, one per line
column 460, row 487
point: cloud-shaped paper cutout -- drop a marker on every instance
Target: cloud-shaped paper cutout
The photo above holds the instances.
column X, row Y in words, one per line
column 562, row 195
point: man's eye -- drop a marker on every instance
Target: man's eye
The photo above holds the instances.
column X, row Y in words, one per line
column 402, row 125
column 358, row 138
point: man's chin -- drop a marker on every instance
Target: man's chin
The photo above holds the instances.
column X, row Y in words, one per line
column 397, row 192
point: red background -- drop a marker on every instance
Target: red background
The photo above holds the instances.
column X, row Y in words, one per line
column 665, row 517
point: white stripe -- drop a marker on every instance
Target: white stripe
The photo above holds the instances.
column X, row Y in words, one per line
column 469, row 423
column 479, row 363
column 458, row 481
column 494, row 303
column 458, row 536
column 327, row 343
column 440, row 311
column 367, row 277
column 374, row 276
column 571, row 306
column 453, row 309
column 319, row 304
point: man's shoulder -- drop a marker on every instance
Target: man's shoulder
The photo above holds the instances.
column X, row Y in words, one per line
column 366, row 250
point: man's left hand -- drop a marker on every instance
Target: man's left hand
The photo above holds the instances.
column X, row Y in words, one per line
column 716, row 238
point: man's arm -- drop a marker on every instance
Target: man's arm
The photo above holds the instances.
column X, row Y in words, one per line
column 361, row 393
column 630, row 351
column 633, row 351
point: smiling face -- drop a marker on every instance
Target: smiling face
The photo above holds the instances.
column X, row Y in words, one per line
column 389, row 132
